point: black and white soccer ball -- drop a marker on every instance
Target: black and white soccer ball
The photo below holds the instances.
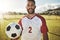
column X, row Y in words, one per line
column 13, row 30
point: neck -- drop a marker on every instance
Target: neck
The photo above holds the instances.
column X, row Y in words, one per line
column 30, row 15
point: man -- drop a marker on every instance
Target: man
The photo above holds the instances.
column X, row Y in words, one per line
column 33, row 25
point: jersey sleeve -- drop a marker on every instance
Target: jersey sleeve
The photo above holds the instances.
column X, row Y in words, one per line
column 20, row 23
column 44, row 28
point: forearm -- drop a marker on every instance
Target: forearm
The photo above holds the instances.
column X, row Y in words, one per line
column 45, row 36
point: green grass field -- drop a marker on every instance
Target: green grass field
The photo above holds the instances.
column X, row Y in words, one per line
column 53, row 24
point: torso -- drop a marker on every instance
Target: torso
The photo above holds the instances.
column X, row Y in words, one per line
column 31, row 28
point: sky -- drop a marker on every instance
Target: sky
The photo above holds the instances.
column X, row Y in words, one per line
column 19, row 5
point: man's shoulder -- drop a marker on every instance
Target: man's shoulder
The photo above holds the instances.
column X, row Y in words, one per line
column 42, row 19
column 23, row 16
column 39, row 16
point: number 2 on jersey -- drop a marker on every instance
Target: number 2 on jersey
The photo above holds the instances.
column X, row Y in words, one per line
column 30, row 29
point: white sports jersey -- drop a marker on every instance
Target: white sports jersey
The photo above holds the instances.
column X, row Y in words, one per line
column 32, row 28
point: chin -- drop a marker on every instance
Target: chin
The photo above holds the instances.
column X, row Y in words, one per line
column 31, row 13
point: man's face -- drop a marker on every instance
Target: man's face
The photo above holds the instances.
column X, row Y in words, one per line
column 30, row 7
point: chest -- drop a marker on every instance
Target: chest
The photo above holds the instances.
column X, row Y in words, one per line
column 35, row 23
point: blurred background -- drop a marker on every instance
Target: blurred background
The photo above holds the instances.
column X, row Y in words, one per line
column 13, row 10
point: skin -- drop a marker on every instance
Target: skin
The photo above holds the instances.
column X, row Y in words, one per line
column 31, row 12
column 30, row 9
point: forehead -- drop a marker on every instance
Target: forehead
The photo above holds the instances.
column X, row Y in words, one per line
column 30, row 2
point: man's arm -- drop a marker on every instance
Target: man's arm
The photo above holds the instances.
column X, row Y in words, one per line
column 45, row 36
column 44, row 29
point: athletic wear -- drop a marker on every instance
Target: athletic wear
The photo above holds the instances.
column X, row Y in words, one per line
column 32, row 28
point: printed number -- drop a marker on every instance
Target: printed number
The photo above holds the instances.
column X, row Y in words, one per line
column 30, row 29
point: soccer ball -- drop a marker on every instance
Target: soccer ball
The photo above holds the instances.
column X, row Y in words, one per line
column 13, row 30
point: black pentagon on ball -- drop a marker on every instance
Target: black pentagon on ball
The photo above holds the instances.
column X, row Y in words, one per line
column 8, row 28
column 17, row 27
column 14, row 35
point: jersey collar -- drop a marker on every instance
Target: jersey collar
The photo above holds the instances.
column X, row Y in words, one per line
column 31, row 17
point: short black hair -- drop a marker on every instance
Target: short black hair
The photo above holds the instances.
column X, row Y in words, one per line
column 32, row 1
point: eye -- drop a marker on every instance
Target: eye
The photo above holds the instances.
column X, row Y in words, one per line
column 8, row 28
column 17, row 27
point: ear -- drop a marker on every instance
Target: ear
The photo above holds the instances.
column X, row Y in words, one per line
column 35, row 6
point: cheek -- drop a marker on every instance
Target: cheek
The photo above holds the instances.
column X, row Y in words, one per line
column 33, row 7
column 27, row 8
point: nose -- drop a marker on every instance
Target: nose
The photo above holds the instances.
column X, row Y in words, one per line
column 30, row 7
column 14, row 35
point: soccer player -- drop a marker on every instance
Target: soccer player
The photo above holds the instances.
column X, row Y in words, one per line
column 32, row 24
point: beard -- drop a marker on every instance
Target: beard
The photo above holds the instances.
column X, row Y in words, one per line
column 30, row 11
